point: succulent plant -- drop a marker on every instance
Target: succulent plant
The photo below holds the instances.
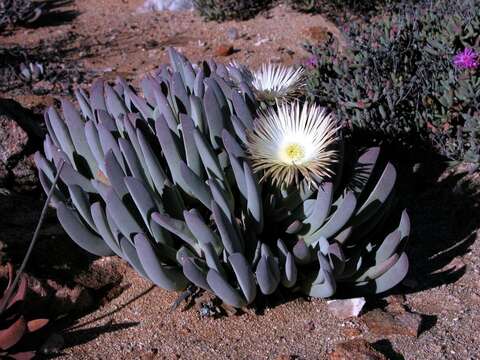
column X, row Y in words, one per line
column 25, row 11
column 31, row 72
column 399, row 78
column 165, row 182
column 221, row 10
column 14, row 325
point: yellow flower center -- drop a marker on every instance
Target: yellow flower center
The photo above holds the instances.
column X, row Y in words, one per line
column 294, row 153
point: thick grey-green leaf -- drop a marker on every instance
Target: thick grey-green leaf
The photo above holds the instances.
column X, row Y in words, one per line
column 224, row 290
column 244, row 275
column 84, row 238
column 228, row 234
column 101, row 223
column 254, row 200
column 196, row 187
column 124, row 220
column 268, row 274
column 167, row 277
column 191, row 151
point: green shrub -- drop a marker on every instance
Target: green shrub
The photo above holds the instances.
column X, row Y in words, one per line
column 221, row 10
column 397, row 80
column 323, row 5
column 343, row 11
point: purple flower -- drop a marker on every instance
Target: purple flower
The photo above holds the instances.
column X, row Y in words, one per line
column 311, row 62
column 467, row 59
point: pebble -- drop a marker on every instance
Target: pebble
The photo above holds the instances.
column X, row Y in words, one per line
column 232, row 34
column 345, row 309
column 223, row 50
column 357, row 349
column 261, row 42
column 383, row 323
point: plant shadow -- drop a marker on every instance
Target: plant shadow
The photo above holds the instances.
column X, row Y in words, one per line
column 441, row 202
column 83, row 336
column 385, row 347
column 54, row 18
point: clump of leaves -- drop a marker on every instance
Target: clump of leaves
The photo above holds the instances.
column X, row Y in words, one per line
column 23, row 67
column 397, row 80
column 171, row 182
column 31, row 72
column 15, row 327
column 221, row 10
column 344, row 10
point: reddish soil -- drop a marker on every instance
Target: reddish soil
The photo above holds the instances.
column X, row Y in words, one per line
column 110, row 38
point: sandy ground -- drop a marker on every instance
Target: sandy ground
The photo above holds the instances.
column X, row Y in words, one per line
column 110, row 38
column 113, row 38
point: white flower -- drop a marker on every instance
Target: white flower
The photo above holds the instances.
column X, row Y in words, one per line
column 275, row 81
column 291, row 142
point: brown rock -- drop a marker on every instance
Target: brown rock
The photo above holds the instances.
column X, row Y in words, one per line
column 223, row 50
column 102, row 272
column 317, row 34
column 357, row 349
column 384, row 324
column 25, row 174
column 13, row 139
column 20, row 137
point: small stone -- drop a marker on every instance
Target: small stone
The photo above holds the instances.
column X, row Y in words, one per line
column 384, row 324
column 357, row 349
column 53, row 344
column 351, row 332
column 261, row 42
column 232, row 34
column 223, row 50
column 345, row 309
